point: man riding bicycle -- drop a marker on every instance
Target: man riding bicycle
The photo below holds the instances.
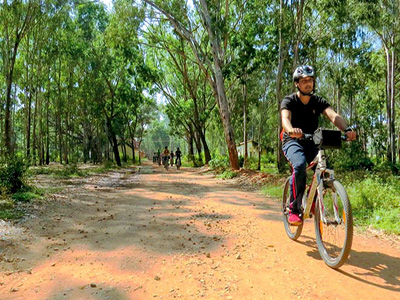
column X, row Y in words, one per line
column 166, row 155
column 300, row 112
column 178, row 154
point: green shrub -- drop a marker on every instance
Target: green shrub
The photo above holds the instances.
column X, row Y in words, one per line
column 24, row 196
column 228, row 174
column 376, row 201
column 69, row 170
column 351, row 157
column 12, row 175
column 10, row 214
column 219, row 163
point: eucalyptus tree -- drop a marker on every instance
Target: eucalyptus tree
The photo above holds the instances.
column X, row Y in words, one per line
column 252, row 61
column 113, row 56
column 383, row 18
column 16, row 19
column 183, row 84
column 216, row 20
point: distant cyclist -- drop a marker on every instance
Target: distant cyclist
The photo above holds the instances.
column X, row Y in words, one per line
column 299, row 114
column 166, row 155
column 172, row 158
column 159, row 157
column 178, row 154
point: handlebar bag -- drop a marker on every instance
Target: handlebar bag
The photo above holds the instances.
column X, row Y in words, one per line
column 327, row 139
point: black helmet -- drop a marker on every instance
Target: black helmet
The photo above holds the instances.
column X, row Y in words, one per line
column 303, row 71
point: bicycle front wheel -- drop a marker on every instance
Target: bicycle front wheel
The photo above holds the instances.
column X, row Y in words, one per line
column 293, row 232
column 334, row 225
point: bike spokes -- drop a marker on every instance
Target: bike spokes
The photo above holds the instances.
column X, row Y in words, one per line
column 334, row 226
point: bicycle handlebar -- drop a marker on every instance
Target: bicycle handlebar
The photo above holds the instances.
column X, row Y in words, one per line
column 309, row 137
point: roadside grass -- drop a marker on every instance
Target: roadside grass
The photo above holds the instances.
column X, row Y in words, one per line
column 7, row 210
column 272, row 191
column 69, row 171
column 227, row 174
column 11, row 202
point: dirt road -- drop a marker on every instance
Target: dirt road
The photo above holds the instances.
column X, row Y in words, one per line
column 156, row 234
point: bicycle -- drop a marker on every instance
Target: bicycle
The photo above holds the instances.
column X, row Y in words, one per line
column 178, row 163
column 325, row 199
column 166, row 162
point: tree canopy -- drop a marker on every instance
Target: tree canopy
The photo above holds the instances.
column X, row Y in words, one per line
column 81, row 82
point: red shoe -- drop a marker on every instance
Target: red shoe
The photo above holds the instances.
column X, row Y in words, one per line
column 294, row 219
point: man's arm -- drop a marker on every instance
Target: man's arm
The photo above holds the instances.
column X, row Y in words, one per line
column 286, row 117
column 339, row 122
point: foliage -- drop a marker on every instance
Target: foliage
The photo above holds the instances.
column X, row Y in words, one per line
column 376, row 201
column 228, row 174
column 10, row 214
column 25, row 196
column 351, row 157
column 12, row 175
column 219, row 163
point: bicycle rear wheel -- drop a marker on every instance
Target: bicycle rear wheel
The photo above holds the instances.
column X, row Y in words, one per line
column 293, row 232
column 334, row 233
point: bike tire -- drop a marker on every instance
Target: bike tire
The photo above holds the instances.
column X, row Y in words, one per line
column 334, row 239
column 293, row 232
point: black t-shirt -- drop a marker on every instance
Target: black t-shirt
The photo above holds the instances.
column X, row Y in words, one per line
column 178, row 153
column 304, row 116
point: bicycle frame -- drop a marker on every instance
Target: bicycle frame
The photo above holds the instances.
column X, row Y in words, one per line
column 321, row 175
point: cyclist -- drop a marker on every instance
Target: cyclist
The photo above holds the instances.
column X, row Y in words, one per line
column 178, row 154
column 159, row 157
column 300, row 112
column 171, row 162
column 166, row 155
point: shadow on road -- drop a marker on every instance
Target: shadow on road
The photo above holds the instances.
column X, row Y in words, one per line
column 367, row 264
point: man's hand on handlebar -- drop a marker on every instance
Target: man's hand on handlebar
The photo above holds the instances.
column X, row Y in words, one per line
column 296, row 133
column 351, row 135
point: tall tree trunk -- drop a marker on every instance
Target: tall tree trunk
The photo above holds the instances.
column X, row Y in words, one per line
column 390, row 104
column 139, row 143
column 246, row 153
column 59, row 134
column 7, row 119
column 298, row 32
column 48, row 98
column 29, row 124
column 113, row 141
column 207, row 154
column 124, row 154
column 220, row 88
column 197, row 141
column 281, row 162
column 190, row 145
column 133, row 152
column 34, row 132
column 260, row 125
